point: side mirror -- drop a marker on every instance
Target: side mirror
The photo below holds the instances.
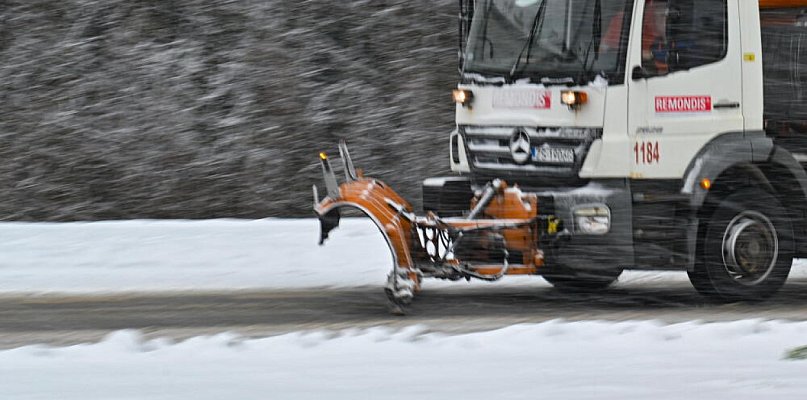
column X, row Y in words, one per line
column 639, row 73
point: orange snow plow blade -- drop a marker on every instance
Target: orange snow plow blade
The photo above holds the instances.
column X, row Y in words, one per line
column 499, row 236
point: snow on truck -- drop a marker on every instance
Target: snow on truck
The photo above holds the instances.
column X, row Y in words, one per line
column 598, row 135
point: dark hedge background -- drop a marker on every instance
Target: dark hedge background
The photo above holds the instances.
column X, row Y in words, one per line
column 197, row 109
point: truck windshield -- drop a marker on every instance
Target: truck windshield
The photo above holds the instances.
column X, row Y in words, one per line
column 548, row 40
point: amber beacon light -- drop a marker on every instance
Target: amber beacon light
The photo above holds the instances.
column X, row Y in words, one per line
column 463, row 97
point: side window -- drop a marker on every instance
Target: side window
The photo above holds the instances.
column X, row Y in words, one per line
column 682, row 34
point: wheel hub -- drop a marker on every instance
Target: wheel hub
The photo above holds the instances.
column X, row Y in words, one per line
column 750, row 247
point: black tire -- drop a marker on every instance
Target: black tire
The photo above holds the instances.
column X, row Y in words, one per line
column 745, row 250
column 582, row 281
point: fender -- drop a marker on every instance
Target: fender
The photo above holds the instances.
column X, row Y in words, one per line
column 720, row 154
column 729, row 150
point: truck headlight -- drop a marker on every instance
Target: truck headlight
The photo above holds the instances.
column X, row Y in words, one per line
column 592, row 219
column 463, row 97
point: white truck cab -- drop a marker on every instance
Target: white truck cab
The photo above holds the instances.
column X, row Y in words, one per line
column 653, row 125
column 667, row 134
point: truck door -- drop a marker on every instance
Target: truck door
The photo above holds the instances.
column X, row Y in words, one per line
column 685, row 86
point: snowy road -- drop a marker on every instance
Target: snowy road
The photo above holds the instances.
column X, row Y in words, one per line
column 70, row 283
column 70, row 319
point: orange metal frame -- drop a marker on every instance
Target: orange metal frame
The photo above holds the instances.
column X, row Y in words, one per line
column 370, row 196
column 394, row 218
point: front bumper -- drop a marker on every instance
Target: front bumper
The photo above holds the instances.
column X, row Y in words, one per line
column 575, row 250
column 581, row 251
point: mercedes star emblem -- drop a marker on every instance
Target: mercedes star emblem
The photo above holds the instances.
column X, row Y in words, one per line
column 520, row 147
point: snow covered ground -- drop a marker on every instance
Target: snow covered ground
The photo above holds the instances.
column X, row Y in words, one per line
column 553, row 360
column 556, row 360
column 186, row 255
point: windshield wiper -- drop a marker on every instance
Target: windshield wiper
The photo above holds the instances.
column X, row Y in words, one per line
column 485, row 39
column 537, row 26
column 586, row 70
column 594, row 44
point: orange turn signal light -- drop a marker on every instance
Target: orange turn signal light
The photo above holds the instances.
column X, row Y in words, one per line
column 706, row 183
column 573, row 98
column 323, row 156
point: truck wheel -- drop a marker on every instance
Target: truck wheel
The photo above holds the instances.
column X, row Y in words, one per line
column 746, row 249
column 584, row 280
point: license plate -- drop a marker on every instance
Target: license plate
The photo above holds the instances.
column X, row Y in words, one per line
column 553, row 155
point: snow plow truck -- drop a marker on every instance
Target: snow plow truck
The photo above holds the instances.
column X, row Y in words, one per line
column 594, row 136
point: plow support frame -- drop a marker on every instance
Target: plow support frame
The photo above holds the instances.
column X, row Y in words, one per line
column 509, row 214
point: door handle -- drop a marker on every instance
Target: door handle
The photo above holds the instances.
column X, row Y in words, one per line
column 719, row 106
